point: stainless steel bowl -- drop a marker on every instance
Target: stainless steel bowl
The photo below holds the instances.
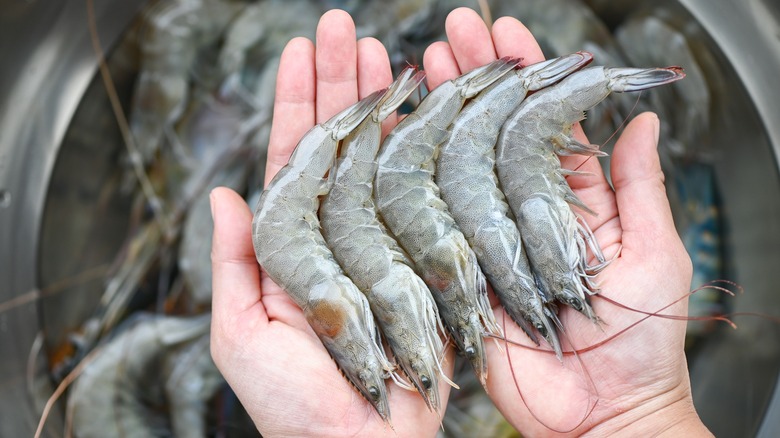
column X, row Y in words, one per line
column 49, row 63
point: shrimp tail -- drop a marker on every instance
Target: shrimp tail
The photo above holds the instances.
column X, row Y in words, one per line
column 407, row 82
column 343, row 123
column 546, row 73
column 636, row 79
column 480, row 78
column 346, row 121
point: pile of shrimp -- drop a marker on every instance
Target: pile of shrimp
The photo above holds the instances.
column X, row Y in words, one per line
column 467, row 188
column 440, row 215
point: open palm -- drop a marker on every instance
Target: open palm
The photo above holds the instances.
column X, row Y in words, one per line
column 642, row 370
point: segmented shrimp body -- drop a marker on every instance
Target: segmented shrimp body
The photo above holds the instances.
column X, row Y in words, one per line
column 153, row 358
column 465, row 174
column 291, row 250
column 529, row 170
column 399, row 299
column 409, row 203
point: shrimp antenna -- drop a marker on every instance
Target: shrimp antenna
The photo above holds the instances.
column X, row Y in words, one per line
column 589, row 408
column 709, row 285
column 62, row 387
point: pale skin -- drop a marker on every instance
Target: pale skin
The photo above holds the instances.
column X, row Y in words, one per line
column 291, row 387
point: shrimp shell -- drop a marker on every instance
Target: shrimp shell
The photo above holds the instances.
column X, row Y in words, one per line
column 530, row 173
column 142, row 364
column 289, row 246
column 465, row 174
column 399, row 299
column 408, row 200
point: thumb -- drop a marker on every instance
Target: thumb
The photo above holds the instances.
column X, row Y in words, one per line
column 645, row 215
column 236, row 274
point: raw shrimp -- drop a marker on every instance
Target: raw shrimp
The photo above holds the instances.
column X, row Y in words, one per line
column 399, row 299
column 173, row 32
column 291, row 249
column 465, row 175
column 409, row 203
column 117, row 393
column 556, row 239
column 685, row 106
column 258, row 34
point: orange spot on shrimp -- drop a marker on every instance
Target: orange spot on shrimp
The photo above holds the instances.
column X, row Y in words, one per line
column 326, row 319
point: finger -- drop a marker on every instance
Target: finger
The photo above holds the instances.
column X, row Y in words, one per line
column 336, row 64
column 236, row 277
column 512, row 38
column 469, row 39
column 293, row 104
column 373, row 72
column 440, row 64
column 645, row 215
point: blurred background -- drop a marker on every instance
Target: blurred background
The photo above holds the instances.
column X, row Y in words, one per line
column 105, row 169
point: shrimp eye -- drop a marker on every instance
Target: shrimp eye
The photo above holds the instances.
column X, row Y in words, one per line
column 373, row 392
column 542, row 330
column 426, row 382
column 575, row 303
column 470, row 352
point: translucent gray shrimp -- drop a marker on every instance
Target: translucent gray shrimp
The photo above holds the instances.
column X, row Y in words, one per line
column 154, row 359
column 465, row 174
column 409, row 203
column 685, row 106
column 290, row 248
column 529, row 170
column 399, row 299
column 173, row 32
column 259, row 33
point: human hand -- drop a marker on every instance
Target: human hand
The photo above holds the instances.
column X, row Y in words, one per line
column 261, row 341
column 639, row 381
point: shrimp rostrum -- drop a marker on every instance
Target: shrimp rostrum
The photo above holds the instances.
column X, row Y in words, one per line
column 529, row 170
column 290, row 248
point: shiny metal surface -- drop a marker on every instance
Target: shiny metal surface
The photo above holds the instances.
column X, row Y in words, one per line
column 734, row 374
column 748, row 34
column 47, row 63
column 738, row 391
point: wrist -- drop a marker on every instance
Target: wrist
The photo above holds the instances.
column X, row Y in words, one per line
column 670, row 415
